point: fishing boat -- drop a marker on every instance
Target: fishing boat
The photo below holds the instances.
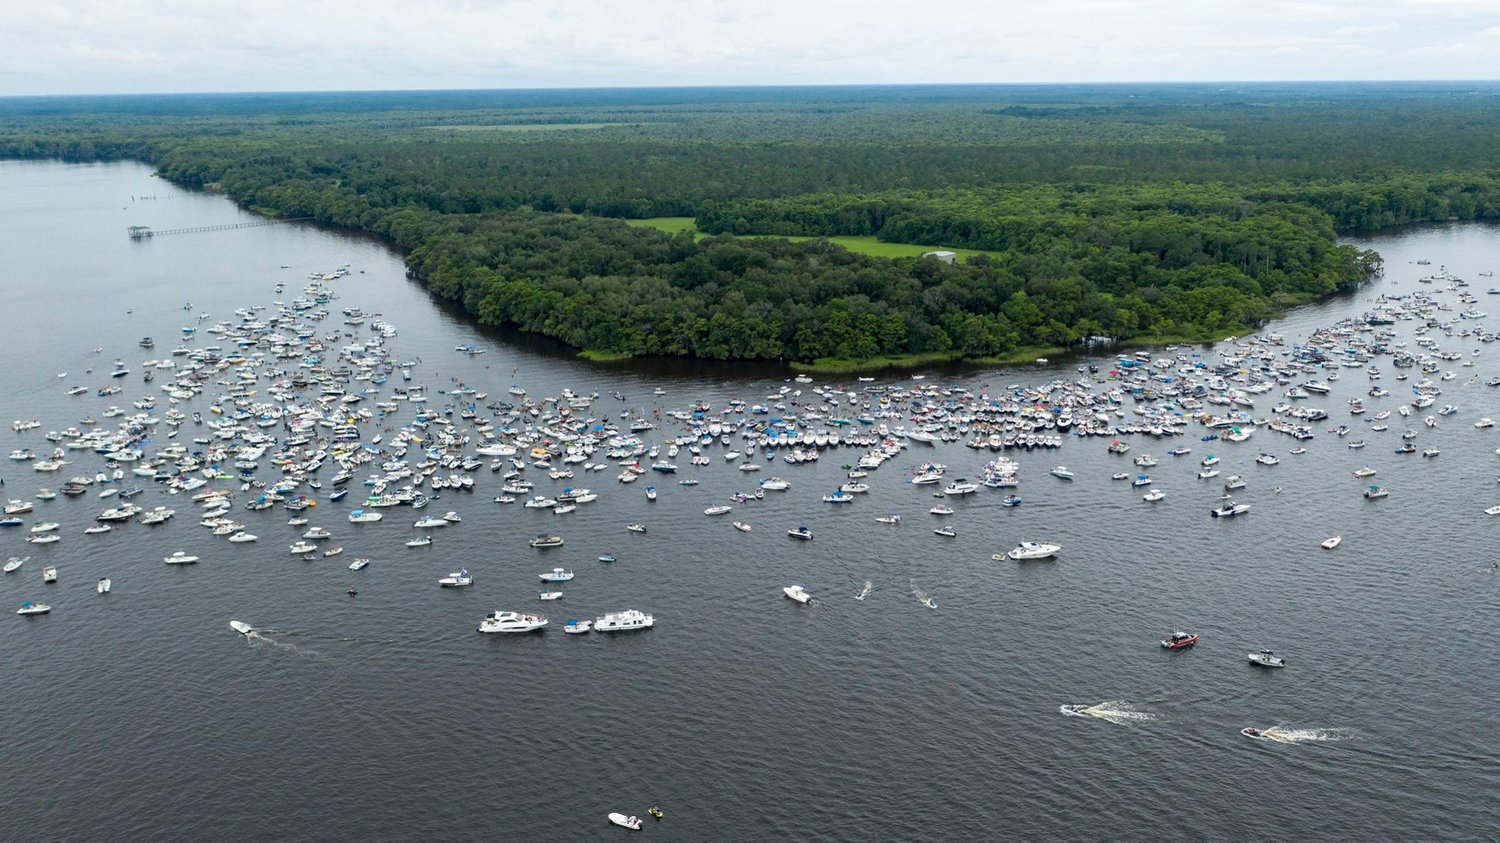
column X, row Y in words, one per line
column 550, row 594
column 1179, row 641
column 181, row 557
column 633, row 823
column 1265, row 658
column 557, row 575
column 797, row 593
column 1229, row 509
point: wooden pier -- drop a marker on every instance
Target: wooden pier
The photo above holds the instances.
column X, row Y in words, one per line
column 142, row 232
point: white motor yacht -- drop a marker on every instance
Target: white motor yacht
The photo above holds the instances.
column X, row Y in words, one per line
column 630, row 619
column 1033, row 550
column 511, row 622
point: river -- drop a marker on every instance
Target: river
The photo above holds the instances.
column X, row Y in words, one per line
column 140, row 714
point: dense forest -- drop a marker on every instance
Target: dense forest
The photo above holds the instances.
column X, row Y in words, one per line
column 1127, row 212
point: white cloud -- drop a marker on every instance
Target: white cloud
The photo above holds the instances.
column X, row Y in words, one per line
column 190, row 45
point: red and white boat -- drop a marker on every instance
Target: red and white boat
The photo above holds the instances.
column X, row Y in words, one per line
column 1179, row 641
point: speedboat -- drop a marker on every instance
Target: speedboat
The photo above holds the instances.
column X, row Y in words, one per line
column 634, row 528
column 800, row 533
column 557, row 575
column 1265, row 658
column 457, row 579
column 1153, row 495
column 1179, row 641
column 428, row 522
column 181, row 557
column 1330, row 544
column 946, row 531
column 1011, row 500
column 632, row 823
column 550, row 594
column 630, row 619
column 241, row 627
column 358, row 564
column 30, row 608
column 545, row 540
column 42, row 538
column 742, row 526
column 104, row 585
column 242, row 537
column 95, row 529
column 302, row 547
column 1061, row 472
column 717, row 510
column 421, row 542
column 576, row 627
column 941, row 510
column 1230, row 509
column 511, row 622
column 1251, row 732
column 1033, row 550
column 15, row 562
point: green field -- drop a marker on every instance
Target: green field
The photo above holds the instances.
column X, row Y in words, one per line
column 524, row 127
column 863, row 245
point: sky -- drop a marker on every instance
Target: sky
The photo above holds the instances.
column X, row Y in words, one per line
column 165, row 46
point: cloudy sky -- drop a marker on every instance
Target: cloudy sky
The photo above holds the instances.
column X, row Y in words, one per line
column 127, row 46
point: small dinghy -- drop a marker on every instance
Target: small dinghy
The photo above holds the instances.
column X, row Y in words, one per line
column 632, row 823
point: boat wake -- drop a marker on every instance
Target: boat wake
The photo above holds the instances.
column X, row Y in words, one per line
column 259, row 637
column 1113, row 711
column 865, row 592
column 1286, row 734
column 922, row 596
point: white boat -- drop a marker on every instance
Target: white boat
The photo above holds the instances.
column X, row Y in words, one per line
column 241, row 537
column 42, row 538
column 1153, row 496
column 630, row 619
column 302, row 547
column 44, row 527
column 636, row 528
column 1208, row 473
column 104, row 585
column 181, row 557
column 428, row 522
column 742, row 526
column 800, row 533
column 545, row 540
column 1230, row 509
column 358, row 564
column 15, row 562
column 95, row 529
column 632, row 823
column 550, row 594
column 577, row 627
column 717, row 510
column 241, row 627
column 457, row 579
column 557, row 575
column 511, row 622
column 941, row 510
column 1061, row 472
column 30, row 608
column 1330, row 544
column 1033, row 550
column 1374, row 492
column 797, row 593
column 421, row 542
column 364, row 516
column 1265, row 658
column 946, row 531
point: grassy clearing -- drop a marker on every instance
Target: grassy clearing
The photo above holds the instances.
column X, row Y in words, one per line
column 595, row 356
column 863, row 245
column 524, row 127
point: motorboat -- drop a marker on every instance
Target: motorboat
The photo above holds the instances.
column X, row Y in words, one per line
column 1075, row 710
column 1061, row 472
column 633, row 823
column 636, row 528
column 1229, row 509
column 1140, row 481
column 720, row 509
column 557, row 575
column 181, row 557
column 241, row 627
column 1251, row 732
column 457, row 579
column 241, row 537
column 1330, row 544
column 800, row 533
column 1234, row 482
column 606, row 557
column 358, row 564
column 1364, row 471
column 95, row 529
column 1267, row 459
column 424, row 541
column 1179, row 641
column 104, row 585
column 945, row 531
column 941, row 510
column 30, row 608
column 545, row 540
column 742, row 526
column 960, row 487
column 317, row 534
column 428, row 522
column 44, row 527
column 1033, row 550
column 299, row 548
column 511, row 622
column 626, row 621
column 1010, row 500
column 550, row 594
column 42, row 538
column 1153, row 496
column 575, row 626
column 364, row 516
column 1265, row 658
column 1374, row 492
column 14, row 562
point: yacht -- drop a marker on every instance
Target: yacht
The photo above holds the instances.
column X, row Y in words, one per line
column 557, row 575
column 625, row 621
column 1033, row 550
column 181, row 557
column 797, row 593
column 1265, row 658
column 961, row 487
column 511, row 622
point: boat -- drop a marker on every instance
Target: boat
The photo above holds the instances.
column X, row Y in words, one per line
column 30, row 608
column 241, row 627
column 15, row 562
column 1330, row 544
column 797, row 593
column 717, row 510
column 630, row 619
column 1033, row 550
column 181, row 557
column 941, row 510
column 511, row 622
column 632, row 823
column 1265, row 658
column 1374, row 492
column 800, row 533
column 545, row 540
column 1229, row 509
column 1011, row 500
column 95, row 529
column 1153, row 496
column 428, row 522
column 103, row 585
column 946, row 531
column 1251, row 732
column 358, row 564
column 299, row 548
column 421, row 542
column 1075, row 710
column 1061, row 472
column 606, row 557
column 742, row 526
column 577, row 627
column 557, row 575
column 634, row 528
column 550, row 594
column 1179, row 641
column 42, row 538
column 457, row 579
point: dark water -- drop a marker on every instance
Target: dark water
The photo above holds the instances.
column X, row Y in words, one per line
column 142, row 715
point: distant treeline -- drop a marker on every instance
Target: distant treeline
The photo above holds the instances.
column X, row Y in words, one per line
column 1168, row 211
